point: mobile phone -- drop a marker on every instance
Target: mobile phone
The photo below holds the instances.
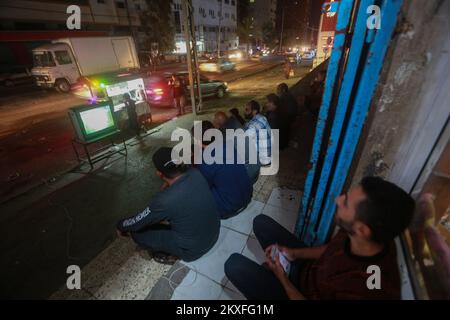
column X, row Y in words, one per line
column 277, row 254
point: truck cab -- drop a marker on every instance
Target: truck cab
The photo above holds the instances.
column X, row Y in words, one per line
column 55, row 67
column 65, row 61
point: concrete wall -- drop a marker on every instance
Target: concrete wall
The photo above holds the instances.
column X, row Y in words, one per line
column 412, row 101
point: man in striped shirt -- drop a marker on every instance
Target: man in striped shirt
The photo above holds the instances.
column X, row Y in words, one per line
column 259, row 131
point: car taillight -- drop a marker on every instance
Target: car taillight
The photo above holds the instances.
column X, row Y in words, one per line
column 158, row 92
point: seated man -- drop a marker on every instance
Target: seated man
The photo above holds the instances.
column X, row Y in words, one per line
column 288, row 102
column 229, row 183
column 258, row 129
column 235, row 114
column 181, row 220
column 370, row 216
column 222, row 123
column 277, row 119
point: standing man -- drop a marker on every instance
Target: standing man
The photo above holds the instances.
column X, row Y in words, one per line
column 130, row 105
column 178, row 87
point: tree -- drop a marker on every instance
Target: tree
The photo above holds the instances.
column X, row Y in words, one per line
column 245, row 28
column 157, row 25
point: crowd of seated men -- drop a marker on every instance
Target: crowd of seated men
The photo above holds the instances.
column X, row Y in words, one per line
column 182, row 221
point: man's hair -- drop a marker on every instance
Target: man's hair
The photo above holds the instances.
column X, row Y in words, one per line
column 254, row 106
column 206, row 125
column 235, row 113
column 170, row 168
column 283, row 88
column 387, row 211
column 274, row 99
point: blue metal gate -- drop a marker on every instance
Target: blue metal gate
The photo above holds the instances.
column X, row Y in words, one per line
column 353, row 72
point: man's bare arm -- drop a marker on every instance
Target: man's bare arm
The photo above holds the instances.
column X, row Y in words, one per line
column 309, row 253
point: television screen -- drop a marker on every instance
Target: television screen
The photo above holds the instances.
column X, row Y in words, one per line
column 97, row 119
column 93, row 122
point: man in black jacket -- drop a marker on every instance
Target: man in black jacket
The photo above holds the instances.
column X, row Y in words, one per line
column 182, row 220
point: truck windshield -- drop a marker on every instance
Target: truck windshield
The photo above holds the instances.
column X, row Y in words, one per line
column 43, row 59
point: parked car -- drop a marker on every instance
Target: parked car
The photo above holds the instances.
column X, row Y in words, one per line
column 219, row 65
column 16, row 76
column 159, row 91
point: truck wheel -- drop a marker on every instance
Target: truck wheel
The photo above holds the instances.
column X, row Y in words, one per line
column 220, row 92
column 62, row 85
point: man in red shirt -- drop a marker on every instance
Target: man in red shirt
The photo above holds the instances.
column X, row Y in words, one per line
column 370, row 216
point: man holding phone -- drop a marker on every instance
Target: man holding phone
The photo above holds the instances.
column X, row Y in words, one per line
column 370, row 216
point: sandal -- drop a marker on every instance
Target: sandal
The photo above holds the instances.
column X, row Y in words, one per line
column 165, row 258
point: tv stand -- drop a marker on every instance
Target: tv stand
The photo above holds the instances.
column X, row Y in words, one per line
column 101, row 153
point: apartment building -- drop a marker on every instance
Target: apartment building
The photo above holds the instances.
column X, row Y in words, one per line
column 210, row 16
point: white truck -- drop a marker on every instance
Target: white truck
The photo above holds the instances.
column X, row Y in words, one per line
column 68, row 61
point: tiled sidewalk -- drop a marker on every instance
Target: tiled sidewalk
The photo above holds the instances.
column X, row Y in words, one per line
column 206, row 278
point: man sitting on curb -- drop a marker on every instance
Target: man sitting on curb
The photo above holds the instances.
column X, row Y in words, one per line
column 229, row 183
column 181, row 221
column 259, row 131
column 370, row 216
column 223, row 123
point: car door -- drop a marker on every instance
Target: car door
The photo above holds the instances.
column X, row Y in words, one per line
column 206, row 86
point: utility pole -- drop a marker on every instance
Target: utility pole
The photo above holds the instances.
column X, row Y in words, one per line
column 192, row 60
column 282, row 26
column 129, row 23
column 220, row 31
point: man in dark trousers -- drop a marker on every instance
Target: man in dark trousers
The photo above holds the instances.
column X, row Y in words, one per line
column 179, row 98
column 228, row 181
column 130, row 105
column 182, row 220
column 370, row 216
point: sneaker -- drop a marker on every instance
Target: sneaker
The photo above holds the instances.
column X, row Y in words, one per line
column 165, row 258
